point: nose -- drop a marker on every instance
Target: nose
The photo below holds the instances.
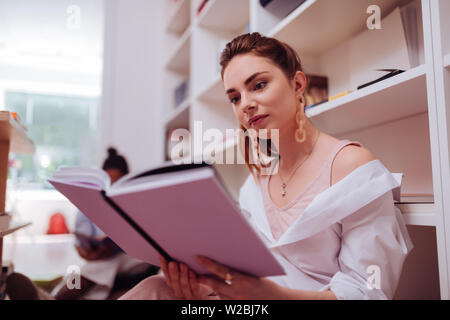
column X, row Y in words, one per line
column 247, row 103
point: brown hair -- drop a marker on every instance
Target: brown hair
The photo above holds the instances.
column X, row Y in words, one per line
column 279, row 53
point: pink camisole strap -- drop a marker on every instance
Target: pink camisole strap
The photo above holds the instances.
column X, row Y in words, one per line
column 281, row 218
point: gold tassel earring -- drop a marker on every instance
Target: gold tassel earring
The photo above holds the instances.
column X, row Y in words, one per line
column 300, row 133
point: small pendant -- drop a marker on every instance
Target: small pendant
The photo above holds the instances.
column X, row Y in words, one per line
column 283, row 192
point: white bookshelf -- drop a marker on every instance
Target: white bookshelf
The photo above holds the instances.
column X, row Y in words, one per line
column 178, row 60
column 395, row 98
column 404, row 120
column 438, row 44
column 179, row 17
column 225, row 15
column 180, row 116
column 213, row 92
column 177, row 44
column 421, row 214
column 447, row 61
column 337, row 23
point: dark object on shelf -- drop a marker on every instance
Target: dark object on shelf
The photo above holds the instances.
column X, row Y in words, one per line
column 392, row 72
column 181, row 92
column 281, row 8
column 316, row 90
column 315, row 104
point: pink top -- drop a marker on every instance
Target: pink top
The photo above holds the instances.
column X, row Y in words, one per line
column 281, row 218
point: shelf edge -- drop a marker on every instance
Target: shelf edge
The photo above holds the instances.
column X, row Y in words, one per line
column 178, row 111
column 176, row 11
column 447, row 61
column 177, row 50
column 364, row 92
column 291, row 17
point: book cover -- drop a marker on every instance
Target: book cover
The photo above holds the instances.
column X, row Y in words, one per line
column 179, row 211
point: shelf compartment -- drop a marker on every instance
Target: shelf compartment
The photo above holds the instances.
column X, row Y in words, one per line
column 179, row 118
column 179, row 60
column 214, row 92
column 180, row 18
column 230, row 15
column 392, row 99
column 337, row 23
column 418, row 214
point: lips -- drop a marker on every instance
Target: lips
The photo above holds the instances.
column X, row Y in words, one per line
column 257, row 118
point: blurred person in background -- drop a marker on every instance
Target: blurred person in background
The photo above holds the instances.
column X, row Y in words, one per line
column 107, row 267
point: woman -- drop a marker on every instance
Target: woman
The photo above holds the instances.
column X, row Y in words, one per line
column 327, row 213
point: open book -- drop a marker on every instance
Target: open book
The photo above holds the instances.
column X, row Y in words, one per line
column 179, row 211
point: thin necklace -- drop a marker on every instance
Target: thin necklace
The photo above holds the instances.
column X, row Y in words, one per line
column 284, row 184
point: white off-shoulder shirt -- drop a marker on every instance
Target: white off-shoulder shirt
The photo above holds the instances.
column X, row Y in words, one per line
column 350, row 239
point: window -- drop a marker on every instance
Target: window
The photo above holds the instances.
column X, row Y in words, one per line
column 63, row 128
column 51, row 65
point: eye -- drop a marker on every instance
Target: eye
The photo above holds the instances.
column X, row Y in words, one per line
column 260, row 85
column 234, row 100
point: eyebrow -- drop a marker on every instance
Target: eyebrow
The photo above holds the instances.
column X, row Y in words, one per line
column 249, row 79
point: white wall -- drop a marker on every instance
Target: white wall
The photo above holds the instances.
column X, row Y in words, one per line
column 130, row 113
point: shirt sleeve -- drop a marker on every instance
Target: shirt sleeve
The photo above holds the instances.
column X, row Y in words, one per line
column 85, row 226
column 374, row 245
column 82, row 224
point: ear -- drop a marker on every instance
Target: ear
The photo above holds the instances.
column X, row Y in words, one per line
column 299, row 83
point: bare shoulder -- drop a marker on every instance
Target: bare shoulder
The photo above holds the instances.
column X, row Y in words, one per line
column 348, row 159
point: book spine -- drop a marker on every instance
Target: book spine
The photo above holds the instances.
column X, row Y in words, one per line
column 136, row 227
column 264, row 3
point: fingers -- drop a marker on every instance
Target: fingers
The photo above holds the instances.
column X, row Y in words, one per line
column 184, row 282
column 223, row 290
column 180, row 278
column 216, row 268
column 165, row 269
column 194, row 284
column 217, row 285
column 175, row 279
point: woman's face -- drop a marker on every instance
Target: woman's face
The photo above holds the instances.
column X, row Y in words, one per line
column 114, row 174
column 260, row 93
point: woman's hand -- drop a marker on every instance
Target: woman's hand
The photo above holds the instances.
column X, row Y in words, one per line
column 181, row 279
column 233, row 285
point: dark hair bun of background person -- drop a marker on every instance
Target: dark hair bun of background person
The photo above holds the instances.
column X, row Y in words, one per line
column 115, row 161
column 112, row 152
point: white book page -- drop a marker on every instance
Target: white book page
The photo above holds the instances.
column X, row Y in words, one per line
column 90, row 176
column 160, row 180
column 128, row 177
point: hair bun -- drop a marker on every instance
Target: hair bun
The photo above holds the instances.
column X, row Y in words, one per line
column 112, row 152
